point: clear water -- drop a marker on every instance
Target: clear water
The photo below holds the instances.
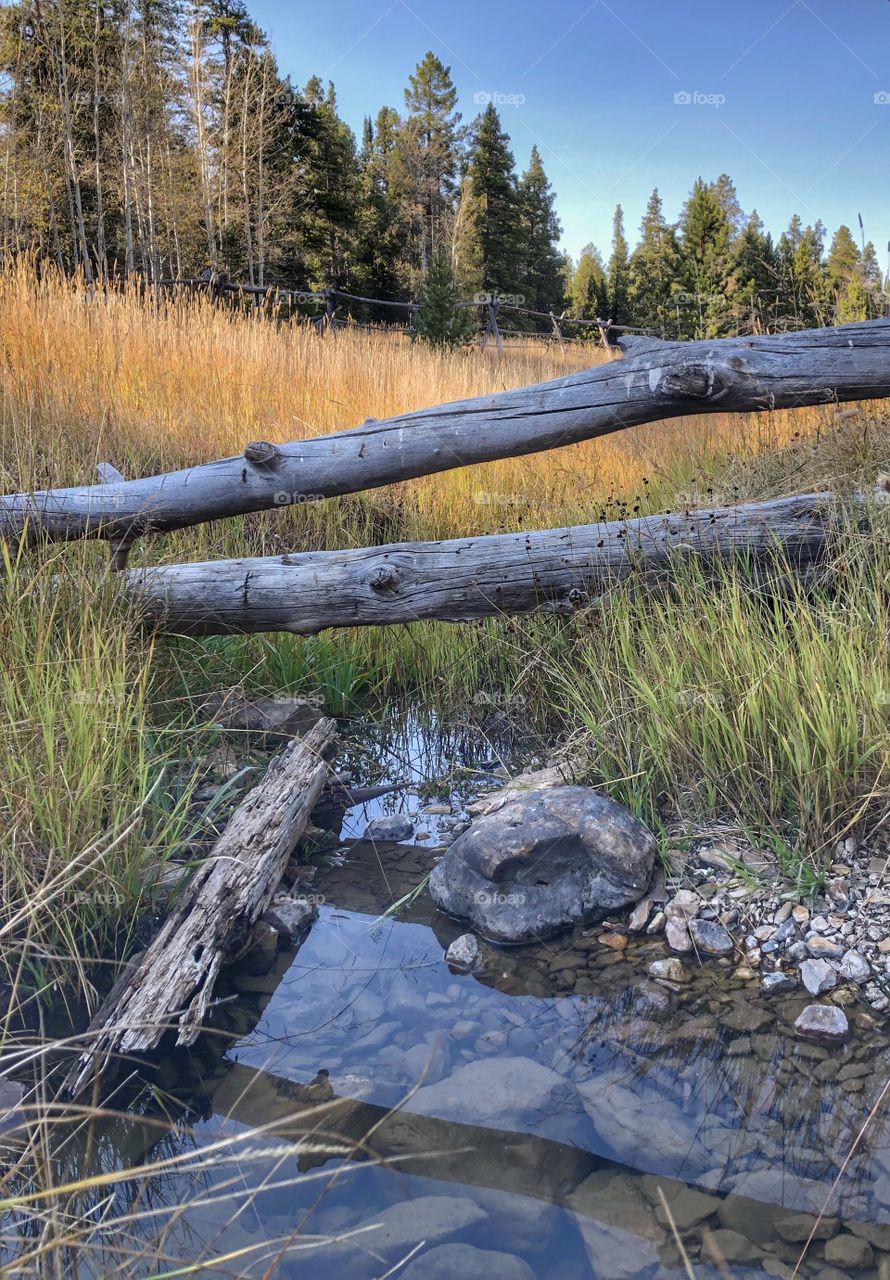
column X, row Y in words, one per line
column 542, row 1114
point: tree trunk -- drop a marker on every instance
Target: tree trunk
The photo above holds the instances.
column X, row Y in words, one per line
column 171, row 987
column 555, row 571
column 657, row 380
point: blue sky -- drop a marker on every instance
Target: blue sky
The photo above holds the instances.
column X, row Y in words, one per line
column 790, row 97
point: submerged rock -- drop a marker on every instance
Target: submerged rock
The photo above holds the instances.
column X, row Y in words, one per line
column 823, row 1023
column 501, row 1093
column 292, row 918
column 776, row 982
column 390, row 827
column 464, row 953
column 393, row 1232
column 672, row 970
column 449, row 1260
column 547, row 860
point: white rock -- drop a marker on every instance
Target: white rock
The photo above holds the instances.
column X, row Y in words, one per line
column 854, row 967
column 817, row 976
column 464, row 953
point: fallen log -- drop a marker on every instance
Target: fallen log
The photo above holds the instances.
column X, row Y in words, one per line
column 656, row 380
column 546, row 571
column 171, row 986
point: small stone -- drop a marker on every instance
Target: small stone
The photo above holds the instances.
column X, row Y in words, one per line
column 884, row 946
column 743, row 974
column 823, row 1024
column 687, row 1209
column 849, row 1251
column 671, row 970
column 776, row 982
column 392, row 827
column 683, row 906
column 657, row 923
column 817, row 976
column 291, row 918
column 725, row 1245
column 617, row 941
column 824, row 948
column 764, row 932
column 677, row 935
column 800, row 915
column 854, row 967
column 782, row 914
column 796, row 1228
column 819, row 924
column 639, row 917
column 877, row 867
column 464, row 953
column 710, row 938
column 745, row 1017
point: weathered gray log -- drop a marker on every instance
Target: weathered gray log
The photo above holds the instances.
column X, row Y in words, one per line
column 547, row 571
column 171, row 986
column 656, row 380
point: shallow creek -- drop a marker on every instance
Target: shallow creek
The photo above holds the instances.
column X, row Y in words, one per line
column 556, row 1116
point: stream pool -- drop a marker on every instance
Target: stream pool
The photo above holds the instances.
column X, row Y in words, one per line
column 363, row 1112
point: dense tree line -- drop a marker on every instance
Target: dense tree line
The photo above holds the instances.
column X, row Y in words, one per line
column 158, row 138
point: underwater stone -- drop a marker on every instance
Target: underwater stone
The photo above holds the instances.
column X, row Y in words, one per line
column 391, row 827
column 823, row 1023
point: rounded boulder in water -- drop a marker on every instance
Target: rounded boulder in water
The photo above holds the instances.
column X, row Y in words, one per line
column 544, row 862
column 390, row 827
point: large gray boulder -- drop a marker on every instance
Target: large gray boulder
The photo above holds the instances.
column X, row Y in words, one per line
column 545, row 861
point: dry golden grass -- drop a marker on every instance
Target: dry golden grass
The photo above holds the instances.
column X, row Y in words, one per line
column 113, row 378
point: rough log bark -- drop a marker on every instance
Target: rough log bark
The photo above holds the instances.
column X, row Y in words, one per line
column 171, row 987
column 655, row 380
column 547, row 571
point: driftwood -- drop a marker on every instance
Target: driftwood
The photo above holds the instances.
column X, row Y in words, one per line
column 655, row 380
column 171, row 986
column 548, row 571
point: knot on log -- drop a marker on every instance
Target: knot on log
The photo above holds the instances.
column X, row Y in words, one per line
column 385, row 578
column 694, row 382
column 261, row 453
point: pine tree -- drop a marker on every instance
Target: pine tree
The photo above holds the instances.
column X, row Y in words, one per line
column 755, row 270
column 429, row 145
column 804, row 294
column 843, row 270
column 874, row 282
column 329, row 188
column 588, row 288
column 653, row 270
column 378, row 259
column 619, row 272
column 541, row 269
column 439, row 322
column 491, row 171
column 706, row 259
